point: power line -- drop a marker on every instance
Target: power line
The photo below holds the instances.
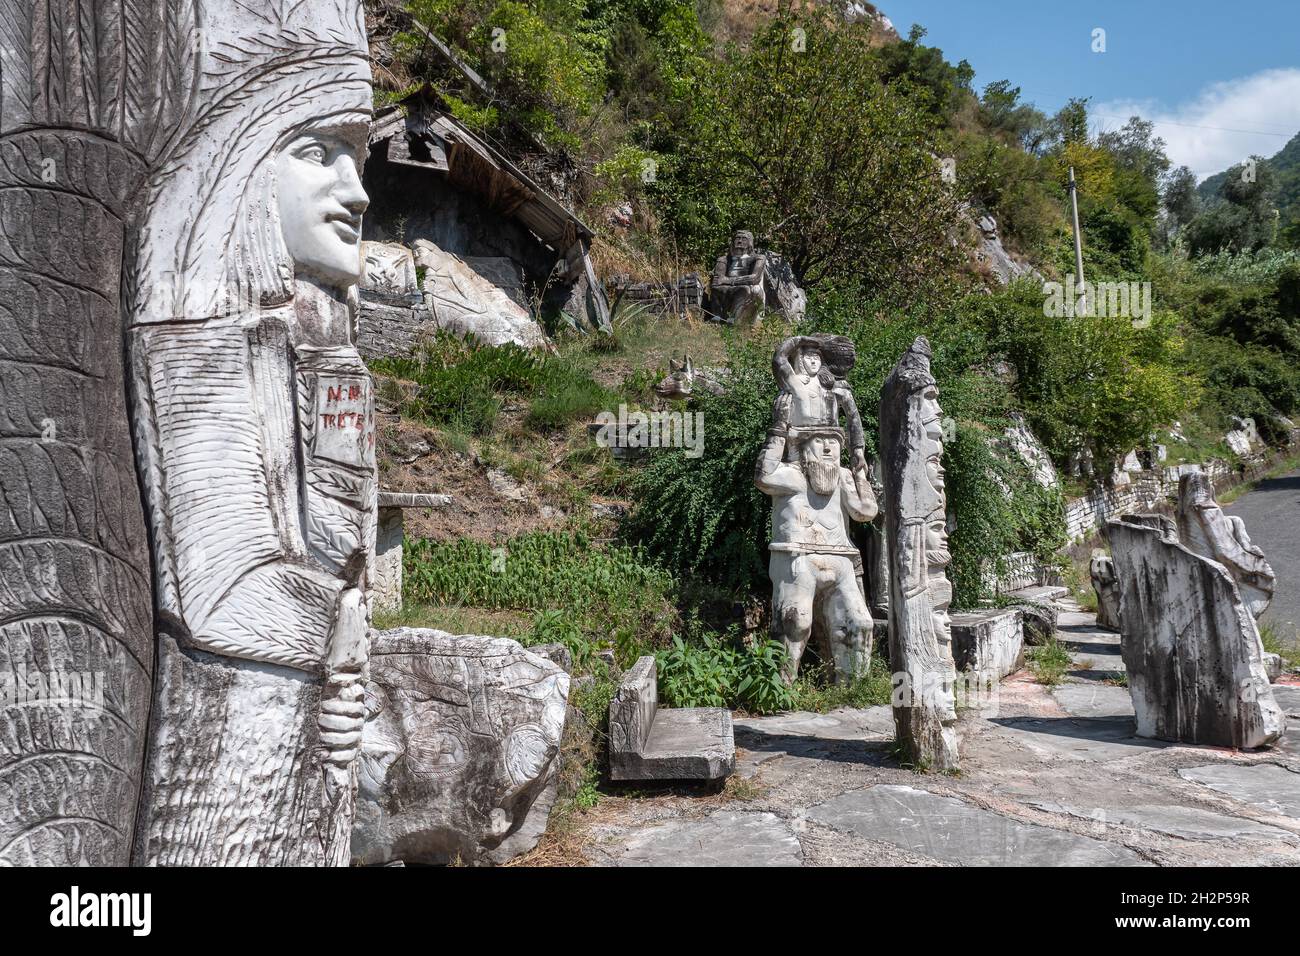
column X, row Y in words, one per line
column 1221, row 129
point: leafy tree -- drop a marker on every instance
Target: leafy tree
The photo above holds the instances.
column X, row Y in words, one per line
column 1244, row 218
column 1070, row 124
column 1002, row 113
column 945, row 86
column 1098, row 383
column 820, row 157
column 1178, row 198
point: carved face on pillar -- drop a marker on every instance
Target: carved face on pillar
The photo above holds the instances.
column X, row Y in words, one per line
column 321, row 203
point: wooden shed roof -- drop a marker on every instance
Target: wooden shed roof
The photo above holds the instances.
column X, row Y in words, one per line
column 420, row 135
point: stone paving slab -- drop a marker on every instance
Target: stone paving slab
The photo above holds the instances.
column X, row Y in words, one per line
column 833, row 735
column 1188, row 823
column 1094, row 700
column 723, row 838
column 1088, row 644
column 844, row 723
column 948, row 829
column 1288, row 698
column 1266, row 786
column 1098, row 738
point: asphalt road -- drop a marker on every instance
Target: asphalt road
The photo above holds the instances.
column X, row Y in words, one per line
column 1272, row 515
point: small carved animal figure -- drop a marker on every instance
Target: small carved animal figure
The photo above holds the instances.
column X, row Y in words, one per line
column 679, row 381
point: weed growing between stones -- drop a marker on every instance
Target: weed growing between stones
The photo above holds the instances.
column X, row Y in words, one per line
column 1049, row 662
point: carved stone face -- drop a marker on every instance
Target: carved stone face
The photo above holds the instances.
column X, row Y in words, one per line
column 810, row 361
column 742, row 244
column 821, row 464
column 321, row 204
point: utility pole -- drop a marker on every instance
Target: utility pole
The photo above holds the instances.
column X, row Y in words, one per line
column 1078, row 246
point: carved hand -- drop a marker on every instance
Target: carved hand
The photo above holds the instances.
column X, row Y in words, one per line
column 343, row 709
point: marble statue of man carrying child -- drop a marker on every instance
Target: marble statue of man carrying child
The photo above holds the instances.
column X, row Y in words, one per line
column 815, row 568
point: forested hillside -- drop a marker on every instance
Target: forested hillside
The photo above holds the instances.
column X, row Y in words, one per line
column 866, row 159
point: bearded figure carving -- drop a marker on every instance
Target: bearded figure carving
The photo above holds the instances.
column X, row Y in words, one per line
column 255, row 439
column 815, row 568
column 920, row 637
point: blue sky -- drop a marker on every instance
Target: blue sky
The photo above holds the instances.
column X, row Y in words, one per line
column 1222, row 80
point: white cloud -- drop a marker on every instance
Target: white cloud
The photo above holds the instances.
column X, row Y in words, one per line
column 1224, row 124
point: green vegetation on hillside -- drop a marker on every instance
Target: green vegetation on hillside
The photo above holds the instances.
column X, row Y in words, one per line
column 830, row 145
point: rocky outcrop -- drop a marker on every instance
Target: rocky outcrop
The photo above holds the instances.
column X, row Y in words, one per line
column 1025, row 444
column 458, row 758
column 1193, row 655
column 990, row 253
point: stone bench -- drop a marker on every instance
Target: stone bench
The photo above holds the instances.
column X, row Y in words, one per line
column 990, row 644
column 647, row 743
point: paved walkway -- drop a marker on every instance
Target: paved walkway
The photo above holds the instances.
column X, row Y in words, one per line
column 1271, row 511
column 1049, row 777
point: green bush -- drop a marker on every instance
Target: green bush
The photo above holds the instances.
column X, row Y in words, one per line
column 704, row 516
column 997, row 509
column 717, row 672
column 460, row 384
column 614, row 593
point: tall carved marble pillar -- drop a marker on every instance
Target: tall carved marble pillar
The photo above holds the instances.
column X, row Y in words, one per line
column 920, row 639
column 83, row 115
column 256, row 442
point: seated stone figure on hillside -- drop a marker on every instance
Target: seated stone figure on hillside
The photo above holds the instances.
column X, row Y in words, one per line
column 815, row 568
column 737, row 293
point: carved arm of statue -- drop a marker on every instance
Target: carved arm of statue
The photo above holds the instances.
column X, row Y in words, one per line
column 753, row 278
column 859, row 497
column 772, row 475
column 720, row 277
column 782, row 366
column 857, row 438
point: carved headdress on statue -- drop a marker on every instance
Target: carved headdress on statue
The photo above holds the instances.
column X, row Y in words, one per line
column 265, row 71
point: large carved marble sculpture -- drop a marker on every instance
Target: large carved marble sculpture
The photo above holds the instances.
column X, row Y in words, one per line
column 1206, row 530
column 466, row 302
column 736, row 290
column 82, row 119
column 1193, row 654
column 816, row 570
column 747, row 281
column 459, row 755
column 920, row 638
column 255, row 440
